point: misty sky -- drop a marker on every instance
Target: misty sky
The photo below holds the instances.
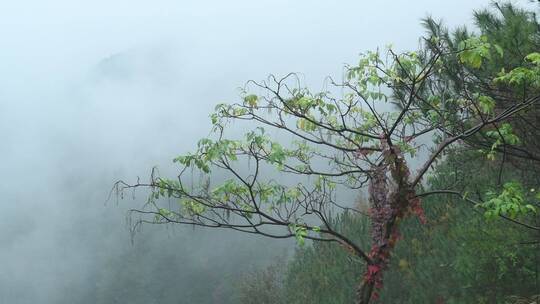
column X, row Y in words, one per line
column 95, row 91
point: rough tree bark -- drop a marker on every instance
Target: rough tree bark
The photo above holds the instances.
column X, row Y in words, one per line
column 391, row 197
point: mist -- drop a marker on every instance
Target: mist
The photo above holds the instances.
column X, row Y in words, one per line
column 98, row 91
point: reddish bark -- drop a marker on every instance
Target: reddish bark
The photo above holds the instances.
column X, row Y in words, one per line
column 391, row 198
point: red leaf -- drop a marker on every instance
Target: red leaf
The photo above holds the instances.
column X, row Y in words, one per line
column 373, row 269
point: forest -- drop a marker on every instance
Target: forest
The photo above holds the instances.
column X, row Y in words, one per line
column 411, row 177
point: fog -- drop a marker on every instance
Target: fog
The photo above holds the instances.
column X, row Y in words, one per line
column 96, row 91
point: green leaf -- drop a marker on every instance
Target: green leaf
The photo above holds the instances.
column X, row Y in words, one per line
column 251, row 100
column 510, row 202
column 487, row 104
column 499, row 50
column 533, row 57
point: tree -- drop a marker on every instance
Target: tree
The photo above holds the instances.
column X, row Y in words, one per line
column 346, row 143
column 512, row 146
column 472, row 259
